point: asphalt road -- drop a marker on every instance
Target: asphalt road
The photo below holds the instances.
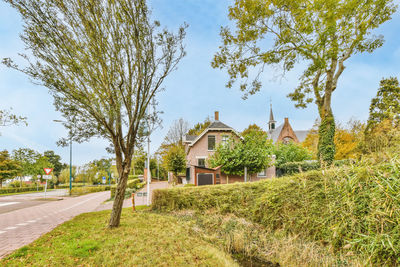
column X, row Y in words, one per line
column 21, row 201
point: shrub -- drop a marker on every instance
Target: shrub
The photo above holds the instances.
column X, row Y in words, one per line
column 295, row 167
column 131, row 187
column 9, row 190
column 88, row 189
column 353, row 208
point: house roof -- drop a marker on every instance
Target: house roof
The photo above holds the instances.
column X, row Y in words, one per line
column 301, row 135
column 218, row 125
column 214, row 126
column 274, row 134
column 190, row 138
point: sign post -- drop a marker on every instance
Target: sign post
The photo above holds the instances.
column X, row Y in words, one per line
column 47, row 177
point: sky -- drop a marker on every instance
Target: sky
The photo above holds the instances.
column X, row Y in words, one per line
column 195, row 90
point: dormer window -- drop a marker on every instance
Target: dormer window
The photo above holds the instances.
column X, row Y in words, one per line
column 211, row 142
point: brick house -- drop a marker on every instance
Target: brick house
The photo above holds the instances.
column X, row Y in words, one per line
column 200, row 148
column 284, row 133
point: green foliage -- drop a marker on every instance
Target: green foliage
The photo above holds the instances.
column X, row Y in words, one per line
column 253, row 152
column 55, row 160
column 253, row 128
column 326, row 144
column 131, row 187
column 320, row 34
column 9, row 168
column 104, row 63
column 8, row 190
column 289, row 168
column 77, row 191
column 200, row 127
column 176, row 159
column 354, row 208
column 386, row 104
column 290, row 152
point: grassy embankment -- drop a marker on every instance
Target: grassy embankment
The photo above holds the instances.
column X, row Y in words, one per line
column 143, row 239
column 351, row 213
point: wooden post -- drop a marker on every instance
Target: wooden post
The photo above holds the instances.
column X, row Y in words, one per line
column 133, row 201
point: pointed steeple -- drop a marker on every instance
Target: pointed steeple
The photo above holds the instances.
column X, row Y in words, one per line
column 272, row 122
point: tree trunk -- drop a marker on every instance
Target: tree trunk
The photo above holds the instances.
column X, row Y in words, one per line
column 119, row 195
column 326, row 144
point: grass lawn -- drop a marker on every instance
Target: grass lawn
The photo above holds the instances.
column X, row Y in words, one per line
column 143, row 239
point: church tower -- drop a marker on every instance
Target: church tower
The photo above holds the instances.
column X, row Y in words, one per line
column 272, row 122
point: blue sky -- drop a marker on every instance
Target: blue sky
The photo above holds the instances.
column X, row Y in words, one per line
column 195, row 90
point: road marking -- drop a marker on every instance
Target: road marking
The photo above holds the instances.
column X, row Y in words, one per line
column 31, row 221
column 80, row 203
column 22, row 224
column 8, row 203
column 10, row 228
column 2, row 232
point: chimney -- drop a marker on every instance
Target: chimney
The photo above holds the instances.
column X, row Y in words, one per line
column 286, row 120
column 216, row 116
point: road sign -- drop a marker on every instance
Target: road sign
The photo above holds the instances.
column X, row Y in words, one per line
column 39, row 176
column 48, row 170
column 47, row 177
column 104, row 179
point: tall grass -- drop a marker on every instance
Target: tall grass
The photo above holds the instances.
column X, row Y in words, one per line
column 354, row 209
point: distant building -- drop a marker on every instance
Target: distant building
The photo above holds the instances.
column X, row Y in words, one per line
column 284, row 133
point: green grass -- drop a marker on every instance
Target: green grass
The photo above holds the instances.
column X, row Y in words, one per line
column 353, row 210
column 78, row 191
column 143, row 239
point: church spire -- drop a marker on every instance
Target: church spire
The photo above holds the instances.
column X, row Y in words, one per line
column 271, row 123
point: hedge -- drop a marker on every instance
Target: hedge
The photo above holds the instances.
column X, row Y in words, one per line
column 89, row 189
column 131, row 187
column 307, row 165
column 8, row 190
column 352, row 208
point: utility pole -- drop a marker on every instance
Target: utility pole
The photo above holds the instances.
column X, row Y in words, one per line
column 148, row 162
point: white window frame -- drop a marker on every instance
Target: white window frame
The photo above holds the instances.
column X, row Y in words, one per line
column 215, row 142
column 262, row 174
column 197, row 177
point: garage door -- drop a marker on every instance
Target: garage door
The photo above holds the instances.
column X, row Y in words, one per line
column 204, row 178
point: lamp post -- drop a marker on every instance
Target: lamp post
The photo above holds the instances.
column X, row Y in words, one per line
column 70, row 159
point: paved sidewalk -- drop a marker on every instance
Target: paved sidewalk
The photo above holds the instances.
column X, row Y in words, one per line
column 21, row 227
column 138, row 200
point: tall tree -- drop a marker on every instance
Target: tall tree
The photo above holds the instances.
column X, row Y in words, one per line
column 323, row 33
column 9, row 168
column 176, row 159
column 386, row 104
column 55, row 160
column 103, row 61
column 253, row 128
column 198, row 128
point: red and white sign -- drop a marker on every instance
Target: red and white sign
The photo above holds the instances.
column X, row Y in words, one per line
column 48, row 170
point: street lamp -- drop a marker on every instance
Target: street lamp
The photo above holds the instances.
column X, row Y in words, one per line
column 70, row 158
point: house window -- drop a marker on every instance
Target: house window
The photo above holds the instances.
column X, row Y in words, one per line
column 201, row 162
column 263, row 173
column 211, row 142
column 225, row 139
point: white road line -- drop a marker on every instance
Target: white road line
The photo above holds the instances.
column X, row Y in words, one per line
column 80, row 203
column 31, row 221
column 2, row 232
column 8, row 203
column 10, row 228
column 22, row 224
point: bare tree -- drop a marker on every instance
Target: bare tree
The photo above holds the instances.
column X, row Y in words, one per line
column 176, row 132
column 103, row 61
